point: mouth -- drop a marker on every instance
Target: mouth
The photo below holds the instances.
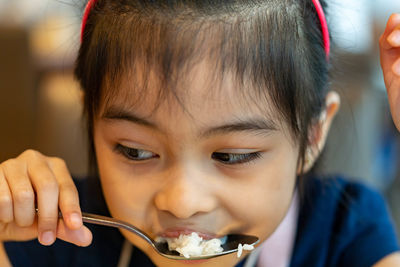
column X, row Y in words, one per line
column 181, row 231
column 189, row 243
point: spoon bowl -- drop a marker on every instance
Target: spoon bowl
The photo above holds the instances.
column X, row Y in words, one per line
column 230, row 246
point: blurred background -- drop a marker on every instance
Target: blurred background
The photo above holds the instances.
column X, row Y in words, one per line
column 40, row 102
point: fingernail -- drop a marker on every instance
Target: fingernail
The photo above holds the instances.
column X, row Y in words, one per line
column 47, row 238
column 394, row 37
column 75, row 219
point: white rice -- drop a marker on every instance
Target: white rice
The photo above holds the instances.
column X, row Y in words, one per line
column 193, row 245
column 240, row 250
column 243, row 247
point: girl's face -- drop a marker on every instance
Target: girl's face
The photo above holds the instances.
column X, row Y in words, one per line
column 217, row 166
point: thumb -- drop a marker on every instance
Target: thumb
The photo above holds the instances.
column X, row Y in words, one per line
column 81, row 237
column 12, row 232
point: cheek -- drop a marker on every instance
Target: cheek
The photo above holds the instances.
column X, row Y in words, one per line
column 263, row 198
column 261, row 207
column 127, row 197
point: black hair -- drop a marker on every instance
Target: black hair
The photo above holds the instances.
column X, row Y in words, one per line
column 273, row 48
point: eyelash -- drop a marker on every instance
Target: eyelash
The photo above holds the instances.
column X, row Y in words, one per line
column 127, row 153
column 225, row 158
column 237, row 158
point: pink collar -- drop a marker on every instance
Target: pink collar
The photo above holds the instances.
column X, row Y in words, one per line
column 276, row 251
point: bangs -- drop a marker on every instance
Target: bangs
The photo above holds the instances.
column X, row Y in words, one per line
column 139, row 45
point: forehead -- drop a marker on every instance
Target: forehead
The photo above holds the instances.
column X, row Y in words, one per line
column 197, row 92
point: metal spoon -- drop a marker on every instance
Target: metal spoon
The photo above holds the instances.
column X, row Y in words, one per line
column 230, row 246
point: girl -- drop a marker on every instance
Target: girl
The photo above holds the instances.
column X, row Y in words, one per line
column 203, row 116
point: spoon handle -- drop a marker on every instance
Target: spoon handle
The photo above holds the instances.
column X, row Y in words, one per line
column 111, row 222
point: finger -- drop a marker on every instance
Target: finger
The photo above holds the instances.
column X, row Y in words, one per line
column 6, row 205
column 396, row 68
column 69, row 198
column 80, row 237
column 13, row 232
column 394, row 38
column 389, row 55
column 46, row 188
column 391, row 26
column 21, row 190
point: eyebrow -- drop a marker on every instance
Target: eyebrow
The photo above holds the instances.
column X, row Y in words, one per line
column 119, row 114
column 241, row 125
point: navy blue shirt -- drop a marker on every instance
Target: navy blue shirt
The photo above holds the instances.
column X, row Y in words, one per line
column 340, row 224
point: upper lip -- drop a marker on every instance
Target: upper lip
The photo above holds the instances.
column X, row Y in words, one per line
column 175, row 232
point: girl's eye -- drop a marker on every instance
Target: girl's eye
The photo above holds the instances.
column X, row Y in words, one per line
column 231, row 158
column 135, row 154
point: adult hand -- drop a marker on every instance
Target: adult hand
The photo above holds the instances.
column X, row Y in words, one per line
column 389, row 44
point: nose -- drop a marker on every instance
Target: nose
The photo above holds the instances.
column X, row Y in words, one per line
column 185, row 194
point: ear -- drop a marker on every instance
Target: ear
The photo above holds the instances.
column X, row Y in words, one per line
column 320, row 130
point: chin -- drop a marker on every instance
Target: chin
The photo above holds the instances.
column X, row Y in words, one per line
column 227, row 260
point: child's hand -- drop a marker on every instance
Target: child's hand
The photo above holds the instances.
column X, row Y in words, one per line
column 390, row 63
column 33, row 179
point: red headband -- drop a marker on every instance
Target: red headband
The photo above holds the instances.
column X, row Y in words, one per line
column 88, row 8
column 317, row 4
column 324, row 27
